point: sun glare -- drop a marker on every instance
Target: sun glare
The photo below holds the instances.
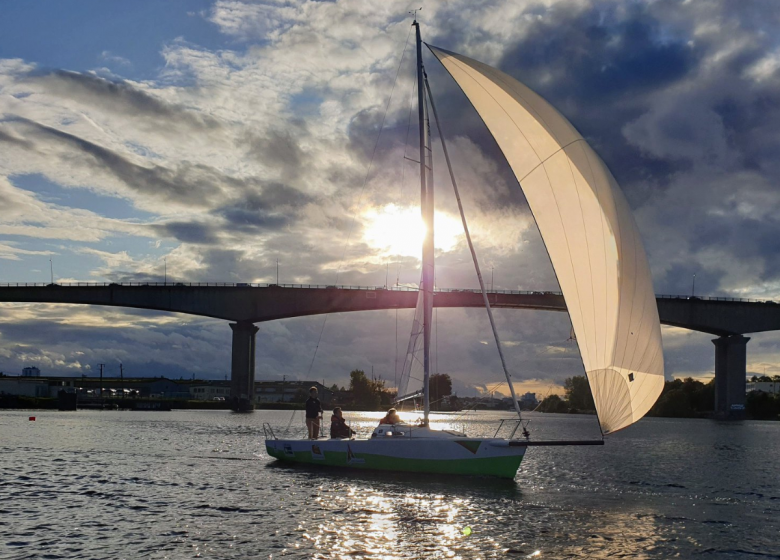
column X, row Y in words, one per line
column 398, row 230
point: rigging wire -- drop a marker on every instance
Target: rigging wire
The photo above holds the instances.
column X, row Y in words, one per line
column 395, row 372
column 549, row 391
column 287, row 429
column 363, row 190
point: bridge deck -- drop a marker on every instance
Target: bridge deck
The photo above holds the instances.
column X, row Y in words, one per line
column 256, row 303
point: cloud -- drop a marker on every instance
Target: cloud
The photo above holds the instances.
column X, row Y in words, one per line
column 122, row 97
column 686, row 131
column 249, row 20
column 188, row 232
column 24, row 214
column 259, row 150
column 279, row 149
column 108, row 56
column 186, row 185
column 11, row 253
column 9, row 138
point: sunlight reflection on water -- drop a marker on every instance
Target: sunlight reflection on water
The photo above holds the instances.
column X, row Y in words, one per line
column 184, row 484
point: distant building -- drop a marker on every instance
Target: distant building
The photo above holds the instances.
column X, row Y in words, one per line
column 764, row 387
column 528, row 401
column 486, row 403
column 157, row 387
column 24, row 387
column 290, row 391
column 31, row 372
column 208, row 392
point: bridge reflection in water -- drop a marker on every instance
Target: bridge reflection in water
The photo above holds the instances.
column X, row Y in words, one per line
column 246, row 304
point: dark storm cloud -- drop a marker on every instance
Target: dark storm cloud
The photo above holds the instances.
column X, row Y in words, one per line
column 72, row 349
column 750, row 114
column 695, row 356
column 596, row 56
column 128, row 276
column 189, row 232
column 362, row 132
column 11, row 139
column 276, row 196
column 240, row 219
column 254, row 203
column 188, row 184
column 599, row 67
column 272, row 208
column 747, row 238
column 122, row 97
column 279, row 150
column 268, row 210
column 679, row 280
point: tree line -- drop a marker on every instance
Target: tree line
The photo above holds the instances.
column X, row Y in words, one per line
column 680, row 398
column 365, row 393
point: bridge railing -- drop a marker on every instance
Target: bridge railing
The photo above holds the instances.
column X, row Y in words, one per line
column 203, row 284
column 400, row 288
column 714, row 298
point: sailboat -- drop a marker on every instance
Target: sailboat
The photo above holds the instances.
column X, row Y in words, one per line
column 598, row 257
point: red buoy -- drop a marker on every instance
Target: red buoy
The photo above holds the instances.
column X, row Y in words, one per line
column 32, row 418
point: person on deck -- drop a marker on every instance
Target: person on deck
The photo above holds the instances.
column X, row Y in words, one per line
column 313, row 413
column 391, row 417
column 338, row 426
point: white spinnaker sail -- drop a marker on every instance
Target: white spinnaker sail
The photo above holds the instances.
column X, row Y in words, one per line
column 590, row 235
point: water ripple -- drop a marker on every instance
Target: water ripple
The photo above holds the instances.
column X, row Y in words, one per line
column 199, row 484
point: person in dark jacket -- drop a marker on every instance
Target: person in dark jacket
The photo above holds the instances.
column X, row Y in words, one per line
column 313, row 413
column 338, row 426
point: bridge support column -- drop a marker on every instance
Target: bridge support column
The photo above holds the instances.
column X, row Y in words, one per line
column 242, row 371
column 730, row 371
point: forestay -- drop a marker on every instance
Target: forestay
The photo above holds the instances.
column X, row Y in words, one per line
column 413, row 363
column 590, row 235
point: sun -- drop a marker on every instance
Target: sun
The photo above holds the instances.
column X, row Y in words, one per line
column 399, row 230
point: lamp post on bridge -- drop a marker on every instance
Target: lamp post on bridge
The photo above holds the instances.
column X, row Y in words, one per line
column 693, row 285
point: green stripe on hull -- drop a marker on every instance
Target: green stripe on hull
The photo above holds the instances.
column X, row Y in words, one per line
column 504, row 467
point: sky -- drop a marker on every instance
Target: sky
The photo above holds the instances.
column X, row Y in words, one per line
column 206, row 140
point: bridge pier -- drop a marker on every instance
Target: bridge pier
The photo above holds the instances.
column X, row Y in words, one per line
column 242, row 370
column 730, row 372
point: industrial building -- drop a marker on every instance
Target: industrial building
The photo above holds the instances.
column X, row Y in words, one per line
column 290, row 391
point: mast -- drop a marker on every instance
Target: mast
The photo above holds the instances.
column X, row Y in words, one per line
column 426, row 203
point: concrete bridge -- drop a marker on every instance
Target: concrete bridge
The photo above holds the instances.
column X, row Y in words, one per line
column 246, row 304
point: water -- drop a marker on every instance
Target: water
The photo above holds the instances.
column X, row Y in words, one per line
column 190, row 484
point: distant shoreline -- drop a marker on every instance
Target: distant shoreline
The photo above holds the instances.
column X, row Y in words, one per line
column 15, row 402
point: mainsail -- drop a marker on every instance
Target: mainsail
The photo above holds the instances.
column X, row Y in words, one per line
column 589, row 233
column 413, row 363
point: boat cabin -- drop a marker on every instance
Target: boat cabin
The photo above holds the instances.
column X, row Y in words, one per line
column 387, row 431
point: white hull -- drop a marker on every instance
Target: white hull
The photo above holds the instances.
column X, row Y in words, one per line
column 423, row 451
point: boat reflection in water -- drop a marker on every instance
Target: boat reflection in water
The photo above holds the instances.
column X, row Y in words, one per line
column 394, row 515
